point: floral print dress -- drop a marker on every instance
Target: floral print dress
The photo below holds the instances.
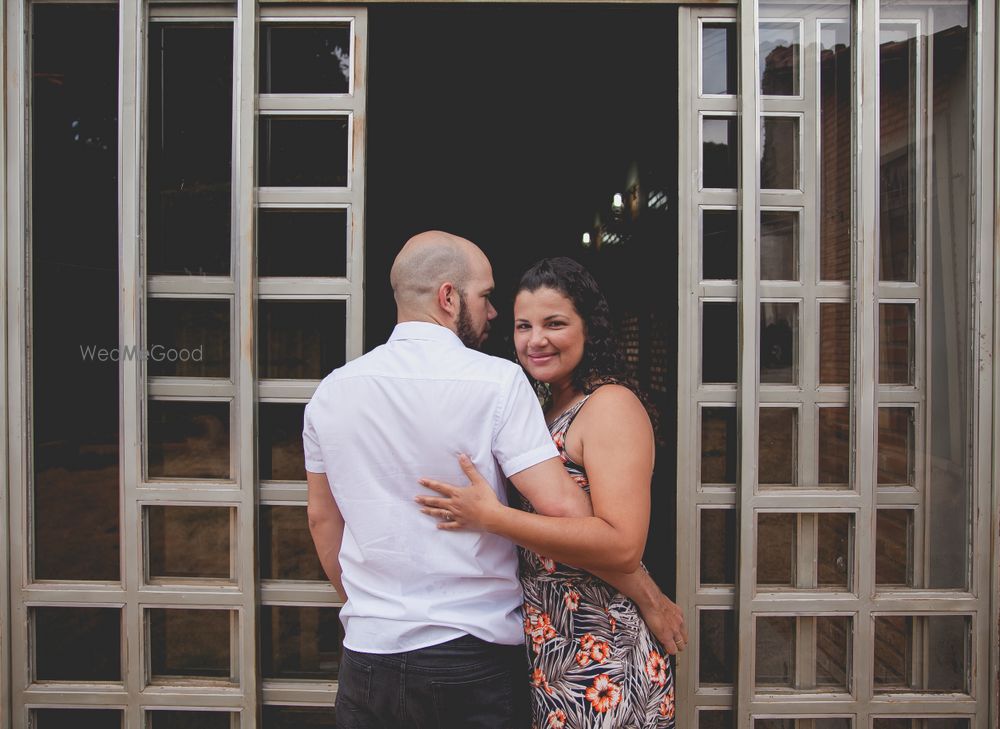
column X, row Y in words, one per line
column 594, row 662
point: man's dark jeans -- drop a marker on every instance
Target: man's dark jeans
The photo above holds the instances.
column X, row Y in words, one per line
column 465, row 682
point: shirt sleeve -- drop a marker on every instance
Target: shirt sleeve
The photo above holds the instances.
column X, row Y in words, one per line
column 310, row 444
column 521, row 439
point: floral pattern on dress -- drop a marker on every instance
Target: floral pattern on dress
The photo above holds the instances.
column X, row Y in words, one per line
column 594, row 662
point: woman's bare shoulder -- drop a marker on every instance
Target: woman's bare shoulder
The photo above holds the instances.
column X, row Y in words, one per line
column 611, row 404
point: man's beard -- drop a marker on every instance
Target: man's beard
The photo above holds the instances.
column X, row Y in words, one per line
column 465, row 331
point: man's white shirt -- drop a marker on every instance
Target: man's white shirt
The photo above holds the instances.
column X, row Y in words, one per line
column 402, row 412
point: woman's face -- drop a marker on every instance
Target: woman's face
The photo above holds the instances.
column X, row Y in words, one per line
column 549, row 335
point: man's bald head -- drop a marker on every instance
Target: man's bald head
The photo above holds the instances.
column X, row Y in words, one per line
column 427, row 261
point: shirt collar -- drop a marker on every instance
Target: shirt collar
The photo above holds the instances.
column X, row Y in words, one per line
column 426, row 331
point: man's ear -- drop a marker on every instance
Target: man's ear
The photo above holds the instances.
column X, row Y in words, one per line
column 447, row 298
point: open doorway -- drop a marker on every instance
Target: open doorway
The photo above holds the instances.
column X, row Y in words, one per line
column 516, row 127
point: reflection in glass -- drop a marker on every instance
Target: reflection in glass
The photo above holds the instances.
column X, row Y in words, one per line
column 833, row 641
column 188, row 439
column 191, row 643
column 286, row 547
column 77, row 643
column 778, row 447
column 719, row 161
column 834, row 446
column 297, row 717
column 718, row 546
column 188, row 338
column 189, row 541
column 834, row 535
column 896, row 344
column 719, row 59
column 779, row 158
column 301, row 339
column 189, row 149
column 835, row 148
column 300, row 642
column 719, row 244
column 76, row 719
column 716, row 647
column 776, row 549
column 902, row 663
column 896, row 446
column 719, row 342
column 898, row 151
column 906, row 722
column 834, row 343
column 775, row 650
column 311, row 59
column 74, row 292
column 302, row 151
column 301, row 242
column 718, row 445
column 894, row 548
column 715, row 719
column 163, row 719
column 779, row 342
column 280, row 441
column 779, row 245
column 780, row 47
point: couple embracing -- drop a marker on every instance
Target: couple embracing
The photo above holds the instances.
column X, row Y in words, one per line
column 409, row 450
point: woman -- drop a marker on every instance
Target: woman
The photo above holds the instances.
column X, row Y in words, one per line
column 594, row 660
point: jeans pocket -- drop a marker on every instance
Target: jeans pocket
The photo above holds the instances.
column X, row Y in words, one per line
column 354, row 682
column 480, row 698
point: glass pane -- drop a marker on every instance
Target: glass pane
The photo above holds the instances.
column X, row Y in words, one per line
column 191, row 643
column 301, row 242
column 719, row 58
column 312, row 59
column 922, row 653
column 834, row 446
column 718, row 546
column 835, row 147
column 188, row 338
column 719, row 244
column 76, row 719
column 835, row 533
column 719, row 342
column 301, row 340
column 779, row 342
column 896, row 344
column 779, row 245
column 833, row 640
column 188, row 439
column 74, row 289
column 905, row 722
column 716, row 647
column 77, row 644
column 297, row 717
column 779, row 161
column 898, row 151
column 286, row 546
column 303, row 152
column 719, row 160
column 835, row 343
column 780, row 46
column 776, row 549
column 189, row 541
column 190, row 719
column 894, row 548
column 715, row 719
column 189, row 149
column 819, row 722
column 778, row 453
column 300, row 642
column 280, row 446
column 896, row 446
column 775, row 666
column 718, row 445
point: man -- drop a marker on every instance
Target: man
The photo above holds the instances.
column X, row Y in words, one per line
column 433, row 631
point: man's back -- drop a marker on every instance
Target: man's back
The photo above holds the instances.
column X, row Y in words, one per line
column 376, row 425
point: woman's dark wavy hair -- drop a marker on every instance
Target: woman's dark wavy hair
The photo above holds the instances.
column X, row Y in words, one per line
column 602, row 362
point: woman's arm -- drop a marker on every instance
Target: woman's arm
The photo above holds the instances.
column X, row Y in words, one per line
column 618, row 445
